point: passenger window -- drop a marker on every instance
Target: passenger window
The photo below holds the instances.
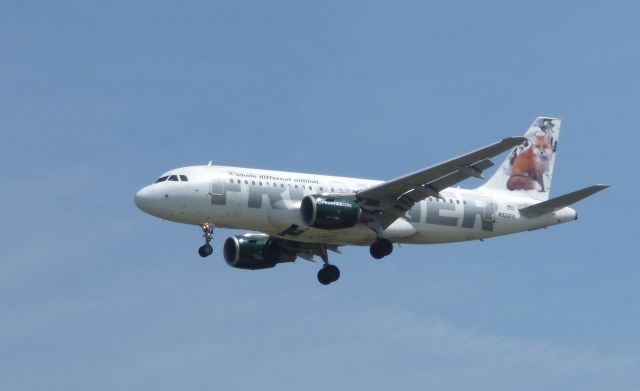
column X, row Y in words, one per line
column 230, row 180
column 173, row 178
column 238, row 181
column 260, row 183
column 162, row 179
column 253, row 182
column 458, row 202
column 184, row 178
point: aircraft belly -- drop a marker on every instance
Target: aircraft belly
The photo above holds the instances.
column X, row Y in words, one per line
column 357, row 235
column 431, row 233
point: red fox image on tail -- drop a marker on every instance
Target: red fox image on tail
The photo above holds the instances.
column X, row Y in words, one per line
column 530, row 166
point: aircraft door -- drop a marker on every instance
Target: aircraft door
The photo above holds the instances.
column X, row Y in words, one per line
column 217, row 187
column 217, row 192
column 489, row 210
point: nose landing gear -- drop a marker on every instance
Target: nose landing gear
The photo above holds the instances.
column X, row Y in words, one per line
column 207, row 234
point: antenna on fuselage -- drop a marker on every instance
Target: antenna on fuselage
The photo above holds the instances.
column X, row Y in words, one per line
column 210, row 161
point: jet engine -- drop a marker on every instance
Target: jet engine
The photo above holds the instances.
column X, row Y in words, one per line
column 254, row 251
column 327, row 212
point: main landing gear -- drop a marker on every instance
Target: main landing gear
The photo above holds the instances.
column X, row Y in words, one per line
column 207, row 234
column 381, row 248
column 329, row 273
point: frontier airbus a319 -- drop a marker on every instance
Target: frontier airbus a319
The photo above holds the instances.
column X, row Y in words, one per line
column 305, row 215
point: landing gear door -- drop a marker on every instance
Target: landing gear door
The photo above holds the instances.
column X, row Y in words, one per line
column 489, row 211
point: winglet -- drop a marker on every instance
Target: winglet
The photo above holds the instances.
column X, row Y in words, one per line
column 558, row 203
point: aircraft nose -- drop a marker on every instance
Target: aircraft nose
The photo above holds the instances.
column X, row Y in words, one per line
column 145, row 198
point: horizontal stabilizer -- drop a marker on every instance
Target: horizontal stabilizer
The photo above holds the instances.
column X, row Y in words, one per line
column 558, row 203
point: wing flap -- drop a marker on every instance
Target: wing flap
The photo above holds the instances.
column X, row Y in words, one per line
column 460, row 175
column 558, row 203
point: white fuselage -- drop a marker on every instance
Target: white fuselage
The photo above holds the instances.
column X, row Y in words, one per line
column 269, row 202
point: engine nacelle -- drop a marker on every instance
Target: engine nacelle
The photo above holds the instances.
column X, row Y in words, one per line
column 254, row 252
column 326, row 212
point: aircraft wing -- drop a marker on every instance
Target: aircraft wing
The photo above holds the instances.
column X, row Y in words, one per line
column 392, row 199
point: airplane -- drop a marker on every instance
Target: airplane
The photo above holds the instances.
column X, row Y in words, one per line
column 302, row 215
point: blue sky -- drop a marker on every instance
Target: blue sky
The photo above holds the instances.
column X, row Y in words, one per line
column 98, row 98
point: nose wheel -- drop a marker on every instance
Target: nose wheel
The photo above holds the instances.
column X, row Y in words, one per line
column 207, row 234
column 205, row 250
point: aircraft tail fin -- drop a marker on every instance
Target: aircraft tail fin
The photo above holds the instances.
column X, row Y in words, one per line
column 558, row 203
column 529, row 167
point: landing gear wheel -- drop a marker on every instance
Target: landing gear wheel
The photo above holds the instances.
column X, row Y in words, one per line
column 334, row 272
column 381, row 248
column 375, row 252
column 207, row 234
column 328, row 274
column 323, row 277
column 205, row 250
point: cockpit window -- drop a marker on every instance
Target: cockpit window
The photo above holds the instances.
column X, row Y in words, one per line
column 173, row 178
